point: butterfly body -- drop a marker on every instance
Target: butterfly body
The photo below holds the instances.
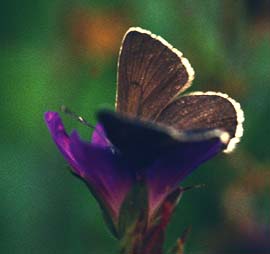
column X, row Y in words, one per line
column 142, row 142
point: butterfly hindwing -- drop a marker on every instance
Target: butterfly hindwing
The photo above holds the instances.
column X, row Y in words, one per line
column 205, row 110
column 151, row 73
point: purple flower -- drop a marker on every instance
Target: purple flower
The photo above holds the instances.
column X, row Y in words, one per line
column 110, row 176
column 154, row 140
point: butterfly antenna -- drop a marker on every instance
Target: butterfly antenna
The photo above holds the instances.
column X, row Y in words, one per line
column 73, row 115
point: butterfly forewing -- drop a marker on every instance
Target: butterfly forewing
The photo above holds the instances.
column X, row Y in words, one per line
column 204, row 111
column 151, row 73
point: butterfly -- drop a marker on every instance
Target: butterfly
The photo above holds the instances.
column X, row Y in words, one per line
column 152, row 117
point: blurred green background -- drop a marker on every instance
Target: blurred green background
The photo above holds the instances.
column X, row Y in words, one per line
column 65, row 52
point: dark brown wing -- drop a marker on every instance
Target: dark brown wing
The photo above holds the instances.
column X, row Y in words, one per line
column 142, row 142
column 205, row 110
column 151, row 73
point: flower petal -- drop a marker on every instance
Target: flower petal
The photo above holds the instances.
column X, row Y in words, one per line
column 99, row 137
column 103, row 170
column 60, row 136
column 164, row 175
column 96, row 164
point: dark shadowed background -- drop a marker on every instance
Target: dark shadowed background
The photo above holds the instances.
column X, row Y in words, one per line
column 65, row 52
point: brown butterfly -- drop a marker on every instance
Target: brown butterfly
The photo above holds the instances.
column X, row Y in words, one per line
column 150, row 115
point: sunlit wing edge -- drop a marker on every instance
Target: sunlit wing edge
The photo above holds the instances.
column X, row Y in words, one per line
column 185, row 62
column 239, row 117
